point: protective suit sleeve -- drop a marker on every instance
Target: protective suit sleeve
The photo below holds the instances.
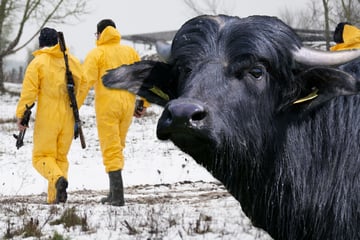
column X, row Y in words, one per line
column 30, row 89
column 91, row 68
column 80, row 80
column 82, row 91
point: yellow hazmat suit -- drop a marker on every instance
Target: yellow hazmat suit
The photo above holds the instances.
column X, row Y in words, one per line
column 114, row 108
column 45, row 83
column 351, row 37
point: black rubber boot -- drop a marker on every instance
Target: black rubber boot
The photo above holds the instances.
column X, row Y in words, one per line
column 61, row 194
column 106, row 199
column 116, row 195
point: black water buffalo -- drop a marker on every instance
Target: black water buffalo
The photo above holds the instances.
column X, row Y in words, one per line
column 277, row 123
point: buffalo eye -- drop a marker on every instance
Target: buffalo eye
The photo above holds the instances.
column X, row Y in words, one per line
column 257, row 72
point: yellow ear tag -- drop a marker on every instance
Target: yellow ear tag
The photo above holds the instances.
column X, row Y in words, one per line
column 160, row 93
column 311, row 96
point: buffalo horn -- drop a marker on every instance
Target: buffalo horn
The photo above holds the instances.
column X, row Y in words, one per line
column 313, row 57
column 164, row 50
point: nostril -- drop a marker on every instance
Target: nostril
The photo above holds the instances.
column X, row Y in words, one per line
column 180, row 115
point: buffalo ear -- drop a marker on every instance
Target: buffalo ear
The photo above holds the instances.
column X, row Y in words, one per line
column 320, row 84
column 149, row 79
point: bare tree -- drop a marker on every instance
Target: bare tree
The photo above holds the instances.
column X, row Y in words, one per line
column 335, row 11
column 346, row 11
column 16, row 15
column 309, row 17
column 210, row 6
column 316, row 15
column 324, row 15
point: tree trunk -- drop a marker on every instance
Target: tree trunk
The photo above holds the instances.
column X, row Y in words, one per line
column 2, row 77
column 326, row 20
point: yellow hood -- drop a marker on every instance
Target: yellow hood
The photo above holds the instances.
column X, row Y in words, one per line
column 351, row 37
column 109, row 36
column 54, row 51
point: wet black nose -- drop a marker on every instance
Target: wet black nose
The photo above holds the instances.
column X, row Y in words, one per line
column 179, row 115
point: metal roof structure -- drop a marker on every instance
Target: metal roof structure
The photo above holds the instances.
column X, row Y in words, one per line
column 151, row 38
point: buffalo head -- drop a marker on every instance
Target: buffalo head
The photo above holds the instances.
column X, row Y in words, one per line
column 228, row 82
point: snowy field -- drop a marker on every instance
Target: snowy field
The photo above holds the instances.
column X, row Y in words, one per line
column 168, row 196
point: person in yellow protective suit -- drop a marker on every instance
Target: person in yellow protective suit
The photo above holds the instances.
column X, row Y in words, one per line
column 114, row 108
column 346, row 36
column 45, row 83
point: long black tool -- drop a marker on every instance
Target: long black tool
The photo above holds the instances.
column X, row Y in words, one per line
column 71, row 90
column 25, row 122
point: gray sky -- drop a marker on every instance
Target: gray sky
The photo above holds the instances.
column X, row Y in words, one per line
column 142, row 16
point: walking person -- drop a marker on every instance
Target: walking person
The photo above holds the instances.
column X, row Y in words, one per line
column 45, row 83
column 114, row 108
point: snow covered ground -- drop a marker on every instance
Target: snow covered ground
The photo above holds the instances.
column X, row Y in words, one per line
column 168, row 195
